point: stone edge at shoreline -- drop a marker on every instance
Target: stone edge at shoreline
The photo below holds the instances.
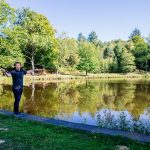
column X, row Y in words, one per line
column 84, row 127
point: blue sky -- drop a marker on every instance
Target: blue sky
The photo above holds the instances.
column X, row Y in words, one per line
column 110, row 19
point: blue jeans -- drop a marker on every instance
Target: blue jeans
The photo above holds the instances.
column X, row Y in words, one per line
column 17, row 95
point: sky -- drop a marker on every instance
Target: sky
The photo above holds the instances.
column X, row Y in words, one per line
column 110, row 19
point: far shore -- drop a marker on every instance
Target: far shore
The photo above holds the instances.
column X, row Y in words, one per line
column 59, row 77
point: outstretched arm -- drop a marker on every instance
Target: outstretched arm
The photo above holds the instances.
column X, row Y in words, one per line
column 29, row 72
column 8, row 74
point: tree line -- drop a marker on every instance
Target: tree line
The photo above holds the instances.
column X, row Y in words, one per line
column 29, row 37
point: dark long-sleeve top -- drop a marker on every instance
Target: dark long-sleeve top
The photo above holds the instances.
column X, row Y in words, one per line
column 17, row 78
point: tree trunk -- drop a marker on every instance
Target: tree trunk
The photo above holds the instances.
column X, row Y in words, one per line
column 146, row 65
column 86, row 72
column 57, row 70
column 32, row 63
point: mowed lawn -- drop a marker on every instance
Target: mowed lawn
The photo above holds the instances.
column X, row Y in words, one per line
column 18, row 134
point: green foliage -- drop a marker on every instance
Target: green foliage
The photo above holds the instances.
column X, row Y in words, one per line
column 67, row 52
column 125, row 59
column 108, row 52
column 88, row 57
column 81, row 37
column 41, row 44
column 135, row 32
column 8, row 52
column 10, row 47
column 141, row 53
column 29, row 37
column 92, row 37
column 6, row 13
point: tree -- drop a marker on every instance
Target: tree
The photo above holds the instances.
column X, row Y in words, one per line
column 108, row 52
column 125, row 59
column 135, row 32
column 68, row 52
column 6, row 13
column 92, row 37
column 10, row 37
column 81, row 37
column 148, row 54
column 41, row 45
column 109, row 60
column 10, row 50
column 141, row 53
column 88, row 57
column 129, row 45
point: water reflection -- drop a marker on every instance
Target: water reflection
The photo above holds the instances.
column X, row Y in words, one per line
column 123, row 120
column 88, row 101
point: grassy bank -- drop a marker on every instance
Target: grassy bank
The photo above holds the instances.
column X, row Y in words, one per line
column 19, row 134
column 52, row 77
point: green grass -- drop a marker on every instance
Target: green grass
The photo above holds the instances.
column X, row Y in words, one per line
column 29, row 135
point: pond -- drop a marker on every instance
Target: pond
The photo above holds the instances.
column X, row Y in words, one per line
column 117, row 104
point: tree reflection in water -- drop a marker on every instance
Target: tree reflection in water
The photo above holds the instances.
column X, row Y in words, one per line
column 119, row 104
column 123, row 120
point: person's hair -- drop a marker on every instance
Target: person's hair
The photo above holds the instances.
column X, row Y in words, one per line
column 17, row 62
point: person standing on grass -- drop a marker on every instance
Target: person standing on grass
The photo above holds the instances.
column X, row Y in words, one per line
column 17, row 87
